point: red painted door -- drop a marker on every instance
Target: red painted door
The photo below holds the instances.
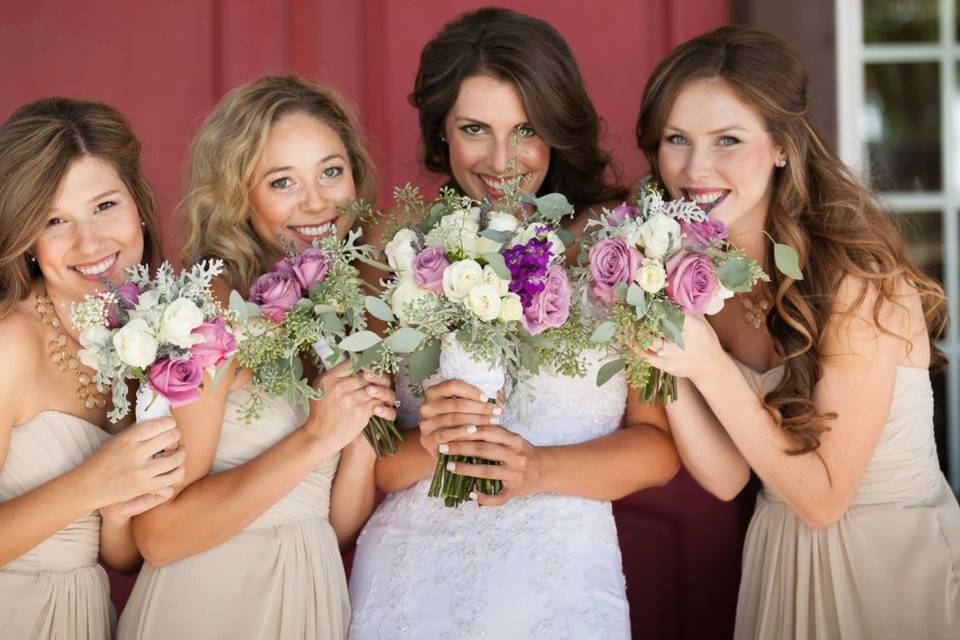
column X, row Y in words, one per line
column 165, row 64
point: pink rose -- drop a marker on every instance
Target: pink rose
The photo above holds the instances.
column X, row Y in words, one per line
column 275, row 293
column 700, row 235
column 622, row 213
column 551, row 306
column 612, row 261
column 218, row 343
column 311, row 267
column 129, row 296
column 176, row 380
column 428, row 267
column 691, row 282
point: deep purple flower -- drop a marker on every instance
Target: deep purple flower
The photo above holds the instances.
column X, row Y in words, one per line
column 528, row 266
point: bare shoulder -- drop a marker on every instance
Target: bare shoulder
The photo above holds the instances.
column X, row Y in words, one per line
column 22, row 345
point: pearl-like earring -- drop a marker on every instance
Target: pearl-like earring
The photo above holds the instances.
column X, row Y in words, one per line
column 32, row 259
column 143, row 224
column 443, row 138
column 781, row 163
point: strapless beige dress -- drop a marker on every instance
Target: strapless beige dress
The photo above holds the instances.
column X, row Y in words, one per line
column 281, row 577
column 889, row 569
column 55, row 590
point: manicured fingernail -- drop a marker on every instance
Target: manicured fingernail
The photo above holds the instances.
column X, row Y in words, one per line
column 484, row 397
column 494, row 419
column 497, row 411
column 473, row 495
column 451, row 466
column 443, row 448
column 471, row 428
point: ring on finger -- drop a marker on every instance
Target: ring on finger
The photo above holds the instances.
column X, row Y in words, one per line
column 360, row 383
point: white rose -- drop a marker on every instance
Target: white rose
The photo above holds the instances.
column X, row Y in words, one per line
column 630, row 232
column 491, row 278
column 95, row 336
column 460, row 277
column 401, row 252
column 146, row 306
column 460, row 230
column 484, row 301
column 406, row 293
column 180, row 318
column 651, row 277
column 501, row 221
column 511, row 309
column 136, row 344
column 660, row 236
column 716, row 302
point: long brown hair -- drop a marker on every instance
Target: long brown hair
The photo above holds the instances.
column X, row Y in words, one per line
column 224, row 155
column 534, row 57
column 818, row 207
column 38, row 143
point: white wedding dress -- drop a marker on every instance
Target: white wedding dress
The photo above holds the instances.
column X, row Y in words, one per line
column 540, row 566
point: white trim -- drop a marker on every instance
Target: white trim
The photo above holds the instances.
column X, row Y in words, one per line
column 913, row 201
column 849, row 20
column 901, row 52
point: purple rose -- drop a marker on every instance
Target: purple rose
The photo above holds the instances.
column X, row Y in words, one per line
column 700, row 235
column 428, row 267
column 621, row 214
column 691, row 282
column 284, row 265
column 275, row 293
column 176, row 380
column 311, row 267
column 551, row 306
column 218, row 343
column 612, row 261
column 129, row 297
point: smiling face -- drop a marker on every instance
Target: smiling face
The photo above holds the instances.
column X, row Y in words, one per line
column 716, row 151
column 93, row 231
column 485, row 129
column 302, row 177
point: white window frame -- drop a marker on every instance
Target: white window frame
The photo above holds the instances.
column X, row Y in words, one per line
column 852, row 55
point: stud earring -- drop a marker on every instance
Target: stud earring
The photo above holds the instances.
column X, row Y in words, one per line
column 33, row 259
column 781, row 163
column 443, row 138
column 143, row 224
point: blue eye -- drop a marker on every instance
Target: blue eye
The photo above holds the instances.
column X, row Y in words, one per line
column 728, row 141
column 472, row 129
column 281, row 183
column 676, row 138
column 333, row 172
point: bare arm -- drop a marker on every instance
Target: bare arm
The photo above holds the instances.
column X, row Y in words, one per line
column 354, row 491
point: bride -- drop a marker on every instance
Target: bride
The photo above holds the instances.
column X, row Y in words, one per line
column 541, row 558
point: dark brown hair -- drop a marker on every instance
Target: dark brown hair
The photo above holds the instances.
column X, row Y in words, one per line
column 38, row 143
column 818, row 207
column 533, row 56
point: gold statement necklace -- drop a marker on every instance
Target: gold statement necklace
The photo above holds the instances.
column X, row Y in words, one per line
column 755, row 311
column 66, row 358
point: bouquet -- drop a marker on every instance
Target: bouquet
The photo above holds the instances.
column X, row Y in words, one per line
column 650, row 262
column 164, row 332
column 312, row 301
column 474, row 296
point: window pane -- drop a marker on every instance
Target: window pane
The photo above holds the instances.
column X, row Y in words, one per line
column 900, row 21
column 901, row 126
column 923, row 235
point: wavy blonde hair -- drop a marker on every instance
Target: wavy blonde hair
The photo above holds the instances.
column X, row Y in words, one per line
column 38, row 144
column 818, row 207
column 224, row 153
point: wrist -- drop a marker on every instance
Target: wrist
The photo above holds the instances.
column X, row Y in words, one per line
column 716, row 369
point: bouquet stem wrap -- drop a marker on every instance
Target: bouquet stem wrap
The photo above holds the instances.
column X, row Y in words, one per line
column 150, row 404
column 457, row 364
column 382, row 434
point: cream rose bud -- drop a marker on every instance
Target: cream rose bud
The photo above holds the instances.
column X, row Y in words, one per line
column 717, row 301
column 180, row 318
column 460, row 277
column 401, row 251
column 484, row 301
column 135, row 343
column 146, row 305
column 660, row 236
column 651, row 276
column 501, row 221
column 406, row 293
column 511, row 308
column 490, row 277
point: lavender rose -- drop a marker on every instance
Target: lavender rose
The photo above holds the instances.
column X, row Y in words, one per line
column 275, row 293
column 551, row 306
column 428, row 267
column 700, row 235
column 218, row 344
column 622, row 213
column 691, row 282
column 310, row 267
column 612, row 261
column 176, row 380
column 129, row 297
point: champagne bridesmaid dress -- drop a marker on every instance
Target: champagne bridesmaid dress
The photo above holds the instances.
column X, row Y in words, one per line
column 889, row 569
column 281, row 577
column 56, row 589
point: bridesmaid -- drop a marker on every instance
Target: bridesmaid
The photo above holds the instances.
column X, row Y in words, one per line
column 827, row 395
column 72, row 203
column 494, row 85
column 248, row 546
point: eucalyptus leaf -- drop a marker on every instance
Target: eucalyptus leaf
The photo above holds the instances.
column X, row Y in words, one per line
column 404, row 340
column 378, row 308
column 497, row 236
column 604, row 332
column 565, row 237
column 296, row 367
column 463, row 335
column 620, row 291
column 635, row 295
column 609, row 370
column 253, row 311
column 496, row 261
column 424, row 362
column 787, row 261
column 331, row 321
column 359, row 341
column 734, row 274
column 321, row 309
column 238, row 305
column 370, row 355
column 528, row 357
column 221, row 371
column 553, row 206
